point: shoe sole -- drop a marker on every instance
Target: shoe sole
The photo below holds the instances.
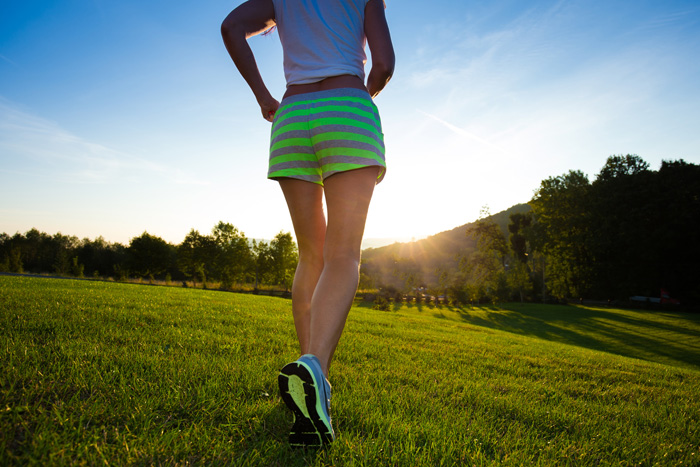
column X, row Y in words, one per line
column 298, row 390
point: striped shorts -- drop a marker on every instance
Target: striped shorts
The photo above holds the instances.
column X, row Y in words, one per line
column 318, row 134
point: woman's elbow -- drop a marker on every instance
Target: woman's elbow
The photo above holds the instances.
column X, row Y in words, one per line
column 385, row 67
column 233, row 26
column 228, row 26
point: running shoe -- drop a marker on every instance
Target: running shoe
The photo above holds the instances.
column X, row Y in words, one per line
column 307, row 393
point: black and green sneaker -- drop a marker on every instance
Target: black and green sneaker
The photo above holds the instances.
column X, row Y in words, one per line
column 307, row 393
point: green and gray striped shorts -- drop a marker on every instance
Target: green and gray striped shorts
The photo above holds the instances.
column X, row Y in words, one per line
column 318, row 134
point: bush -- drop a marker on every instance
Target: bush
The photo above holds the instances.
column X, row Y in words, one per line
column 14, row 262
column 77, row 269
column 390, row 292
column 457, row 295
column 381, row 303
column 120, row 273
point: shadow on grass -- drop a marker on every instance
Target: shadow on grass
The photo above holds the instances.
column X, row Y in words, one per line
column 267, row 443
column 663, row 337
column 654, row 337
column 394, row 306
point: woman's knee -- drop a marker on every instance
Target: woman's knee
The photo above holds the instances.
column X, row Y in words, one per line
column 346, row 256
column 311, row 257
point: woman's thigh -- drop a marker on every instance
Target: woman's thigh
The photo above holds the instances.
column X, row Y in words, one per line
column 348, row 195
column 305, row 203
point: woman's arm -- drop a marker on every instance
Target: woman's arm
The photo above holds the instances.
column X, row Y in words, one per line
column 249, row 19
column 380, row 46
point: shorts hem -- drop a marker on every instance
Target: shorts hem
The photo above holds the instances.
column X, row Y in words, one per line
column 306, row 178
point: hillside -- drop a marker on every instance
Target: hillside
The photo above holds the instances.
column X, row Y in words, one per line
column 441, row 251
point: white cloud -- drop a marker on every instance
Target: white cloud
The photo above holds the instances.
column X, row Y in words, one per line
column 34, row 146
column 462, row 132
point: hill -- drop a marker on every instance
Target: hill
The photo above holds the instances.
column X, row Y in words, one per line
column 439, row 252
column 108, row 373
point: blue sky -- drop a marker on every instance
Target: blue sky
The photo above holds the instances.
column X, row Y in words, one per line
column 123, row 117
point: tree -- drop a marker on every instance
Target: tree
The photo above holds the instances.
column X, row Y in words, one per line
column 262, row 262
column 36, row 250
column 366, row 278
column 519, row 271
column 518, row 226
column 488, row 235
column 15, row 261
column 284, row 259
column 100, row 256
column 77, row 269
column 646, row 225
column 409, row 274
column 233, row 257
column 676, row 207
column 620, row 166
column 149, row 256
column 561, row 210
column 486, row 267
column 63, row 247
column 518, row 278
column 194, row 254
column 443, row 283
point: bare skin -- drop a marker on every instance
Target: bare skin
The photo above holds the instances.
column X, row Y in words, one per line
column 329, row 255
column 327, row 276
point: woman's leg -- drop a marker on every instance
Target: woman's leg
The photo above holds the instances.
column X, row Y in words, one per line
column 304, row 200
column 326, row 279
column 348, row 195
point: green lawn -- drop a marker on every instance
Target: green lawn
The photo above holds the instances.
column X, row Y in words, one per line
column 663, row 337
column 105, row 373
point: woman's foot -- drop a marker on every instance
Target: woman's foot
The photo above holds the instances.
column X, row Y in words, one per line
column 307, row 393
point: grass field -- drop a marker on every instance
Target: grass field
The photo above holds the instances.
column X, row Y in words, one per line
column 98, row 373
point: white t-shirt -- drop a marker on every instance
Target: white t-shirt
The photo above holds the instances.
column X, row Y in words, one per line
column 321, row 38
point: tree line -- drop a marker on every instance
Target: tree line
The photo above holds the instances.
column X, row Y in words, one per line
column 225, row 256
column 632, row 231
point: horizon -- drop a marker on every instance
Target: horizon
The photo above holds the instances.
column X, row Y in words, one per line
column 367, row 242
column 110, row 134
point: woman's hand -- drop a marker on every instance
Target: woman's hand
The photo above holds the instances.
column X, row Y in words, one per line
column 269, row 107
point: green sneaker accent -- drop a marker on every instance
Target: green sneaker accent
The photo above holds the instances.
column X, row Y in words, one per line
column 296, row 390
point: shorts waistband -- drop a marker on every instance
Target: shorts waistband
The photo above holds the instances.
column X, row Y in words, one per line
column 327, row 93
